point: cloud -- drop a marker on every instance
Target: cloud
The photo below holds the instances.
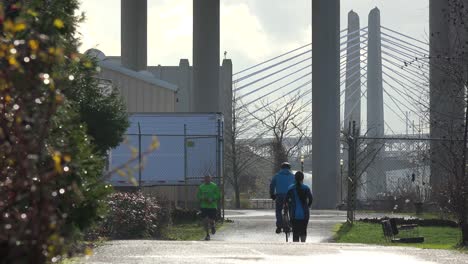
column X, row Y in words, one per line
column 251, row 30
column 248, row 33
column 101, row 29
column 169, row 31
column 284, row 20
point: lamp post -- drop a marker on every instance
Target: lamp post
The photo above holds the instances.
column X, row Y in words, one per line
column 341, row 182
column 302, row 163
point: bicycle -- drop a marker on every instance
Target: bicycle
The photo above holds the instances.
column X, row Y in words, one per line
column 286, row 222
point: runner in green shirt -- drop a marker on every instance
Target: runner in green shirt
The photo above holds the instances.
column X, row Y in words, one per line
column 208, row 195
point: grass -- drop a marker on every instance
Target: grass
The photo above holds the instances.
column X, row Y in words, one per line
column 187, row 231
column 70, row 260
column 365, row 233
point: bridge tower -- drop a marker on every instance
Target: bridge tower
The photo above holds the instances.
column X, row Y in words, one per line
column 376, row 178
column 325, row 102
column 446, row 93
column 352, row 112
column 352, row 104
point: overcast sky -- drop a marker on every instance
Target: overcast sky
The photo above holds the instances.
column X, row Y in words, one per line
column 251, row 30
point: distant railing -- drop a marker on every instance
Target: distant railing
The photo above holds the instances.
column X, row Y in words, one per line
column 262, row 203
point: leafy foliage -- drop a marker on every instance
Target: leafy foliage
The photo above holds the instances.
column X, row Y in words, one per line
column 100, row 107
column 50, row 169
column 181, row 215
column 133, row 215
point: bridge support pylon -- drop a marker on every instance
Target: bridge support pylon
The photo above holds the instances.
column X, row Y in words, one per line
column 375, row 177
column 446, row 94
column 352, row 104
column 325, row 102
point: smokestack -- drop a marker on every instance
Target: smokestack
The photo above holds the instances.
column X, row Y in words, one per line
column 206, row 32
column 134, row 21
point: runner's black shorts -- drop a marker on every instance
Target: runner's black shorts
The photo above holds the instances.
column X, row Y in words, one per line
column 209, row 212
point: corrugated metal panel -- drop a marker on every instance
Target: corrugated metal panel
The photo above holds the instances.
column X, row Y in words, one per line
column 139, row 95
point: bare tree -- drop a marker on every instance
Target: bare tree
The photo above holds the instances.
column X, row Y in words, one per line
column 240, row 154
column 286, row 123
column 449, row 115
column 454, row 191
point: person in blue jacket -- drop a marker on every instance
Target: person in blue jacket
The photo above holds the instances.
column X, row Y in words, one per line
column 278, row 189
column 299, row 199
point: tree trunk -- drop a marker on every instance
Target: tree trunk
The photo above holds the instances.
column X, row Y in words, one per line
column 464, row 229
column 237, row 195
column 464, row 181
column 279, row 154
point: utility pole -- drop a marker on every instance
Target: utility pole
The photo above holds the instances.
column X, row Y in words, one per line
column 302, row 163
column 341, row 181
column 406, row 122
column 352, row 140
column 139, row 156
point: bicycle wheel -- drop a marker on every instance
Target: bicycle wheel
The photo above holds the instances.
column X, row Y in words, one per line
column 286, row 225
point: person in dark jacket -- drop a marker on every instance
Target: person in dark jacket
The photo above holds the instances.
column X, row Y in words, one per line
column 278, row 189
column 299, row 199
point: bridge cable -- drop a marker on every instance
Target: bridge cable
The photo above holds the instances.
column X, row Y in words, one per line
column 405, row 42
column 409, row 71
column 354, row 45
column 363, row 94
column 405, row 89
column 269, row 75
column 276, row 80
column 280, row 88
column 405, row 97
column 349, row 97
column 401, row 34
column 410, row 80
column 354, row 74
column 424, row 54
column 272, row 59
column 353, row 39
column 405, row 64
column 345, row 71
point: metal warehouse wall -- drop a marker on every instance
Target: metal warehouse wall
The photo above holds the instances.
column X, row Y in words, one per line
column 139, row 95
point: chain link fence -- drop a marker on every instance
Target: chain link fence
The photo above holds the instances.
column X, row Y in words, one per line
column 391, row 173
column 392, row 168
column 172, row 164
column 177, row 160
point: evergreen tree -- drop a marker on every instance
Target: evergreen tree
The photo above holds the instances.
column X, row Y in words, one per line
column 51, row 153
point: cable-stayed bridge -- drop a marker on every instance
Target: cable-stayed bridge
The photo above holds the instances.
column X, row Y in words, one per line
column 384, row 89
column 404, row 82
column 374, row 76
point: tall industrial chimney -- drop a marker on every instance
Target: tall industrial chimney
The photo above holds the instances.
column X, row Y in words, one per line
column 134, row 23
column 206, row 32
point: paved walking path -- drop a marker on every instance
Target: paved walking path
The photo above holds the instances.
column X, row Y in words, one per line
column 259, row 226
column 251, row 239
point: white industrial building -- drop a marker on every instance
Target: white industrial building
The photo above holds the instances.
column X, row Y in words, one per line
column 147, row 89
column 165, row 89
column 160, row 88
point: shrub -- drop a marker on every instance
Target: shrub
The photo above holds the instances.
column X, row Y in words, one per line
column 417, row 221
column 181, row 215
column 133, row 215
column 50, row 160
column 244, row 201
